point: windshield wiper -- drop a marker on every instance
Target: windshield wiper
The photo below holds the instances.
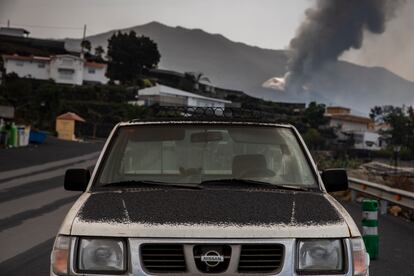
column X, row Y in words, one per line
column 249, row 182
column 148, row 183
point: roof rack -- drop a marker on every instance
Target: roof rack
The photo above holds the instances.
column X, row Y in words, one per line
column 183, row 113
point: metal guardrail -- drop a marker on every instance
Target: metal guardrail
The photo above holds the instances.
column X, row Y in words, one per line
column 384, row 193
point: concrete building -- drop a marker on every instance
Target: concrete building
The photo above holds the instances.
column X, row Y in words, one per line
column 341, row 118
column 168, row 96
column 360, row 129
column 29, row 67
column 65, row 69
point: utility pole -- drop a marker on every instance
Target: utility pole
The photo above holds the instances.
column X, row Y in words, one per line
column 83, row 39
column 8, row 23
column 84, row 32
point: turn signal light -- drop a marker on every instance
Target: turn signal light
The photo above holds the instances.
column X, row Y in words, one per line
column 60, row 255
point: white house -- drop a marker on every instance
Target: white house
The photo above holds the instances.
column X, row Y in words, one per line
column 341, row 118
column 30, row 67
column 359, row 127
column 168, row 96
column 66, row 69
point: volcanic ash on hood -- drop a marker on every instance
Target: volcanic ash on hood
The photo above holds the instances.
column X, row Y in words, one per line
column 331, row 27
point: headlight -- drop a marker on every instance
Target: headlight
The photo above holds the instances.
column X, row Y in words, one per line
column 101, row 255
column 60, row 255
column 322, row 255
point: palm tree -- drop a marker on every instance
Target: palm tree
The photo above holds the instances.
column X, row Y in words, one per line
column 196, row 78
column 99, row 51
column 86, row 45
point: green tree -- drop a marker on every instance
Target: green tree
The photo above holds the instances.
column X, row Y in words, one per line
column 128, row 55
column 314, row 115
column 313, row 139
column 401, row 122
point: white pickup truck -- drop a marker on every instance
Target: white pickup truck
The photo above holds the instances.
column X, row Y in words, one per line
column 202, row 197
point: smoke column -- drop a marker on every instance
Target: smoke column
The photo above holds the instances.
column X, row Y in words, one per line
column 331, row 28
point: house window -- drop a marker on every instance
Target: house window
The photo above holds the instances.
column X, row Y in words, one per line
column 19, row 63
column 91, row 71
column 41, row 65
column 66, row 74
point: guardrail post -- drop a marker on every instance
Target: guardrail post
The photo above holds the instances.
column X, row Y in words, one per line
column 383, row 207
column 370, row 227
column 353, row 195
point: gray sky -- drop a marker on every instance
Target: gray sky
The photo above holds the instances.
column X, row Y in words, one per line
column 263, row 23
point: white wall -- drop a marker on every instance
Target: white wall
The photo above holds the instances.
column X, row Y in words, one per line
column 27, row 68
column 67, row 69
column 95, row 74
column 204, row 103
column 367, row 140
column 348, row 126
column 62, row 69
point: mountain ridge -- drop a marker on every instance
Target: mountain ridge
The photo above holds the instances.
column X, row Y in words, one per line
column 237, row 65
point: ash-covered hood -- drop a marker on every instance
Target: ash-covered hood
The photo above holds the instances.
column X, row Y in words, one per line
column 209, row 213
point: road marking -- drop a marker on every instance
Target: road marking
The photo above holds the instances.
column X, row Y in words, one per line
column 44, row 176
column 33, row 201
column 20, row 218
column 32, row 232
column 46, row 166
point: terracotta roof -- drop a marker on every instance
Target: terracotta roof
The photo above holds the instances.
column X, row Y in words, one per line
column 27, row 58
column 71, row 116
column 350, row 118
column 95, row 65
column 337, row 110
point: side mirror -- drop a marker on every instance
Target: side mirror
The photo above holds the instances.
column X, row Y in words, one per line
column 335, row 180
column 76, row 179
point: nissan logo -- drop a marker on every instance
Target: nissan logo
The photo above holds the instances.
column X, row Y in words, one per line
column 212, row 258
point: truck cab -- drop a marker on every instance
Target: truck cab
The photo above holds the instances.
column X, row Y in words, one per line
column 194, row 197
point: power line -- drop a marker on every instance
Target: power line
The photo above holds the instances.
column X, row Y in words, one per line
column 47, row 27
column 8, row 23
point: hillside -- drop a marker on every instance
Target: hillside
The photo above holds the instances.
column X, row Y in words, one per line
column 243, row 67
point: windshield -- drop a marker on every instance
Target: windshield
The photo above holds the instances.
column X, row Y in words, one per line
column 193, row 154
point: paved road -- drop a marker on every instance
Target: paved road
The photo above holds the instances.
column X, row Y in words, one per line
column 396, row 255
column 33, row 204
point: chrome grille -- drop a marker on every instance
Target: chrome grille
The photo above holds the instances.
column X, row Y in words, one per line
column 260, row 258
column 163, row 258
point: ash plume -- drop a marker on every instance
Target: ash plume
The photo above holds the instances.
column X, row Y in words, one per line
column 331, row 28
